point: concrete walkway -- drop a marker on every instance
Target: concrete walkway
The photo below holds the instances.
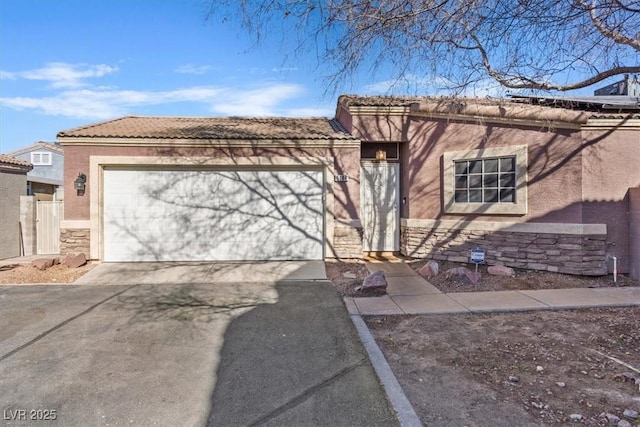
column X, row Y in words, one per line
column 409, row 293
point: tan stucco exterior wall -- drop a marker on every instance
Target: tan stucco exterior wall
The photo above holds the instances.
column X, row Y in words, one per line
column 578, row 173
column 610, row 167
column 554, row 164
column 12, row 186
column 342, row 198
column 347, row 195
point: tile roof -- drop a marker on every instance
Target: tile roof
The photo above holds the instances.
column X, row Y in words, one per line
column 222, row 128
column 571, row 110
column 588, row 103
column 38, row 145
column 461, row 107
column 12, row 161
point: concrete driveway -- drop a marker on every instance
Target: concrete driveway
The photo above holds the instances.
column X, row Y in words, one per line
column 180, row 344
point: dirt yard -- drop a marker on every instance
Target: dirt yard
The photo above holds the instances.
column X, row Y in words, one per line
column 534, row 368
column 571, row 367
column 27, row 274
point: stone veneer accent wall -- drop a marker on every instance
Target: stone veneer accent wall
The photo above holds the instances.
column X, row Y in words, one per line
column 347, row 241
column 74, row 240
column 555, row 252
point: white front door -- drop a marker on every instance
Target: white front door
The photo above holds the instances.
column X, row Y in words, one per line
column 380, row 188
column 187, row 215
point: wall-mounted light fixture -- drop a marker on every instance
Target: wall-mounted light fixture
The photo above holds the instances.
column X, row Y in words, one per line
column 381, row 155
column 80, row 183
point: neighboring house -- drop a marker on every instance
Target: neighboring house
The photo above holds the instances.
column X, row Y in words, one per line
column 13, row 184
column 538, row 183
column 45, row 181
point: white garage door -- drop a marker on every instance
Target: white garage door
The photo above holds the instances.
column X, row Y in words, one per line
column 187, row 215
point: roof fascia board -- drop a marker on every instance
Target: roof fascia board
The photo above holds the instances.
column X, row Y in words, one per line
column 550, row 124
column 400, row 111
column 367, row 110
column 209, row 143
column 608, row 124
column 11, row 168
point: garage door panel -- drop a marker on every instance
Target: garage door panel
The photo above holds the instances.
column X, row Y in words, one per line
column 213, row 215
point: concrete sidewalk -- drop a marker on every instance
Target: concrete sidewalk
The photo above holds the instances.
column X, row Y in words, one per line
column 409, row 293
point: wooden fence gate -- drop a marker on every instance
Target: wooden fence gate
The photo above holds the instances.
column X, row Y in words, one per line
column 48, row 219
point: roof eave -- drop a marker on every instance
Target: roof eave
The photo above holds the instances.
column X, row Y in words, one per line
column 210, row 143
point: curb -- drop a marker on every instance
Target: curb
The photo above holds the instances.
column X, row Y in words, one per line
column 404, row 410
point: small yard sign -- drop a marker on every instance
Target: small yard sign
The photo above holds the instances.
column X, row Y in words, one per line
column 477, row 255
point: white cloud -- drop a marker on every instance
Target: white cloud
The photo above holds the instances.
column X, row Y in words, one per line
column 284, row 69
column 104, row 104
column 262, row 101
column 310, row 112
column 436, row 86
column 100, row 104
column 193, row 69
column 62, row 74
column 72, row 96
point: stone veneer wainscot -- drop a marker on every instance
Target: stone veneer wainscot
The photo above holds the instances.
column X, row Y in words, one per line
column 75, row 240
column 568, row 250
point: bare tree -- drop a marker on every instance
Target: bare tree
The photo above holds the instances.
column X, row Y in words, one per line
column 521, row 44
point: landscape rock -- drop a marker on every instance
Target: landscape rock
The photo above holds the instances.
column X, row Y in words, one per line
column 630, row 413
column 500, row 270
column 471, row 276
column 513, row 378
column 349, row 275
column 575, row 417
column 75, row 260
column 611, row 418
column 376, row 282
column 430, row 269
column 561, row 384
column 44, row 263
column 624, row 423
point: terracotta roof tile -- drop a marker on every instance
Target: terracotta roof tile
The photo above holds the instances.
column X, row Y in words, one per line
column 12, row 161
column 473, row 107
column 227, row 128
column 586, row 103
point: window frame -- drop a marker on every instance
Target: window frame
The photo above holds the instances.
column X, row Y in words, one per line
column 519, row 207
column 41, row 155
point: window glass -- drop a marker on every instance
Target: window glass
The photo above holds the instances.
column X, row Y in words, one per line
column 491, row 165
column 508, row 164
column 475, row 166
column 461, row 196
column 485, row 180
column 462, row 167
column 475, row 196
column 507, row 195
column 462, row 182
column 507, row 180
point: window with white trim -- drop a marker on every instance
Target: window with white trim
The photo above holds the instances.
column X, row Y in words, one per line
column 41, row 158
column 485, row 180
column 489, row 180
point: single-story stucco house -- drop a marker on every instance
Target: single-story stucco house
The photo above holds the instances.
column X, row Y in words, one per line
column 13, row 184
column 539, row 183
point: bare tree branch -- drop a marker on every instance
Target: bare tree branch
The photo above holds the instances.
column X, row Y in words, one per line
column 521, row 44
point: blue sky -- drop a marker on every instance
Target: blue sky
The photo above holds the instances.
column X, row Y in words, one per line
column 67, row 63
